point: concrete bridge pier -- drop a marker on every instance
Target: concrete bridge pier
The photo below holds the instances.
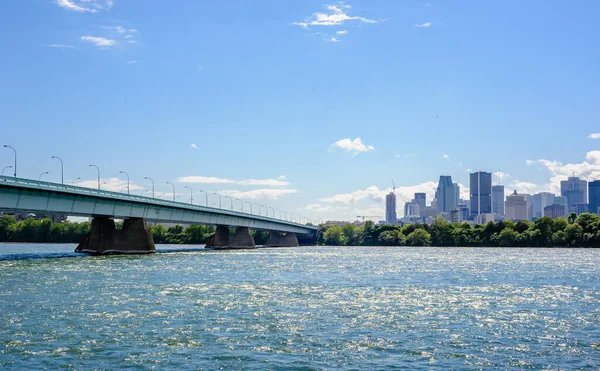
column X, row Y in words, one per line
column 277, row 239
column 241, row 239
column 104, row 238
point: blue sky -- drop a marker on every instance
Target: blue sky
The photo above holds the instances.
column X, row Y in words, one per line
column 265, row 89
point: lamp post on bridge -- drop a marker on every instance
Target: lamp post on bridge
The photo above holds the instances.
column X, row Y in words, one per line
column 152, row 180
column 241, row 204
column 145, row 190
column 272, row 210
column 15, row 151
column 62, row 169
column 219, row 198
column 42, row 174
column 258, row 207
column 98, row 169
column 191, row 194
column 6, row 167
column 173, row 189
column 122, row 172
column 230, row 199
column 266, row 210
column 73, row 181
column 250, row 206
column 206, row 196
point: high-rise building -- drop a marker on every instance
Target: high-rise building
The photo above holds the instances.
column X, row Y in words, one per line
column 390, row 208
column 412, row 210
column 529, row 201
column 516, row 207
column 498, row 200
column 575, row 190
column 445, row 194
column 540, row 201
column 421, row 199
column 555, row 211
column 562, row 200
column 481, row 193
column 594, row 193
column 456, row 194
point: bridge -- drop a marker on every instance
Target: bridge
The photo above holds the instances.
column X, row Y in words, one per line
column 19, row 195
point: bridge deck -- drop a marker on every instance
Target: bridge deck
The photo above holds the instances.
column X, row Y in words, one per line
column 26, row 195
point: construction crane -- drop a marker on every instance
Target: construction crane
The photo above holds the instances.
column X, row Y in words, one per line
column 366, row 216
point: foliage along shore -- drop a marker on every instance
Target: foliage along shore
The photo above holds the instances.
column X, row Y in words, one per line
column 576, row 231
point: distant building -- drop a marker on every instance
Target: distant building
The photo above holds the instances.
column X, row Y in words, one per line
column 421, row 199
column 481, row 193
column 582, row 208
column 456, row 194
column 498, row 200
column 575, row 190
column 540, row 201
column 390, row 208
column 562, row 200
column 515, row 207
column 485, row 218
column 594, row 194
column 445, row 194
column 412, row 210
column 555, row 211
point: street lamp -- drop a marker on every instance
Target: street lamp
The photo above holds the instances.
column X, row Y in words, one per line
column 258, row 207
column 271, row 210
column 150, row 179
column 231, row 201
column 122, row 172
column 219, row 198
column 266, row 210
column 145, row 190
column 73, row 182
column 40, row 177
column 62, row 169
column 250, row 203
column 191, row 194
column 15, row 151
column 241, row 204
column 206, row 196
column 98, row 174
column 6, row 167
column 173, row 189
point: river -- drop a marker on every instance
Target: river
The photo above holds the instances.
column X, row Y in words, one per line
column 299, row 308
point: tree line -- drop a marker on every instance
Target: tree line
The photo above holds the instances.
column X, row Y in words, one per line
column 575, row 231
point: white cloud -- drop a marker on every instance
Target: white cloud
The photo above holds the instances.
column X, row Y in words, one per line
column 426, row 24
column 334, row 15
column 333, row 40
column 132, row 62
column 99, row 41
column 281, row 177
column 342, row 32
column 247, row 182
column 594, row 136
column 354, row 146
column 110, row 184
column 193, row 145
column 85, row 6
column 500, row 176
column 529, row 162
column 61, row 46
column 265, row 194
column 446, row 157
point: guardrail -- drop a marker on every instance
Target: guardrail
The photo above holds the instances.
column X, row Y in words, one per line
column 65, row 188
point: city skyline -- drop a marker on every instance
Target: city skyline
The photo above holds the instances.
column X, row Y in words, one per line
column 259, row 102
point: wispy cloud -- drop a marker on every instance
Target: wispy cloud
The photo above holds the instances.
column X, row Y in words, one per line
column 132, row 62
column 99, row 41
column 193, row 145
column 265, row 194
column 246, row 182
column 594, row 136
column 500, row 176
column 335, row 15
column 333, row 40
column 110, row 184
column 426, row 24
column 342, row 32
column 354, row 146
column 61, row 46
column 281, row 177
column 446, row 157
column 85, row 6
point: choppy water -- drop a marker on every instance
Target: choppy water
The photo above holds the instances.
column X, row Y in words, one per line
column 301, row 308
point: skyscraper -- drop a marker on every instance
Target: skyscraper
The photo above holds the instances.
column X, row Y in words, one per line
column 594, row 192
column 481, row 193
column 498, row 200
column 421, row 199
column 456, row 194
column 411, row 210
column 516, row 207
column 575, row 190
column 540, row 201
column 445, row 194
column 390, row 208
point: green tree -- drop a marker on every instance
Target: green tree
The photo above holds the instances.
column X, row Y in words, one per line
column 572, row 217
column 8, row 224
column 419, row 237
column 392, row 237
column 333, row 236
column 349, row 232
column 574, row 234
column 507, row 238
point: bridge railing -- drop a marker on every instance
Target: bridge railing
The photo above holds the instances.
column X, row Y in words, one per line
column 40, row 184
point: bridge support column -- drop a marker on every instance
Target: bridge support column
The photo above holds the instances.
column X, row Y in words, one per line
column 103, row 238
column 241, row 239
column 277, row 239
